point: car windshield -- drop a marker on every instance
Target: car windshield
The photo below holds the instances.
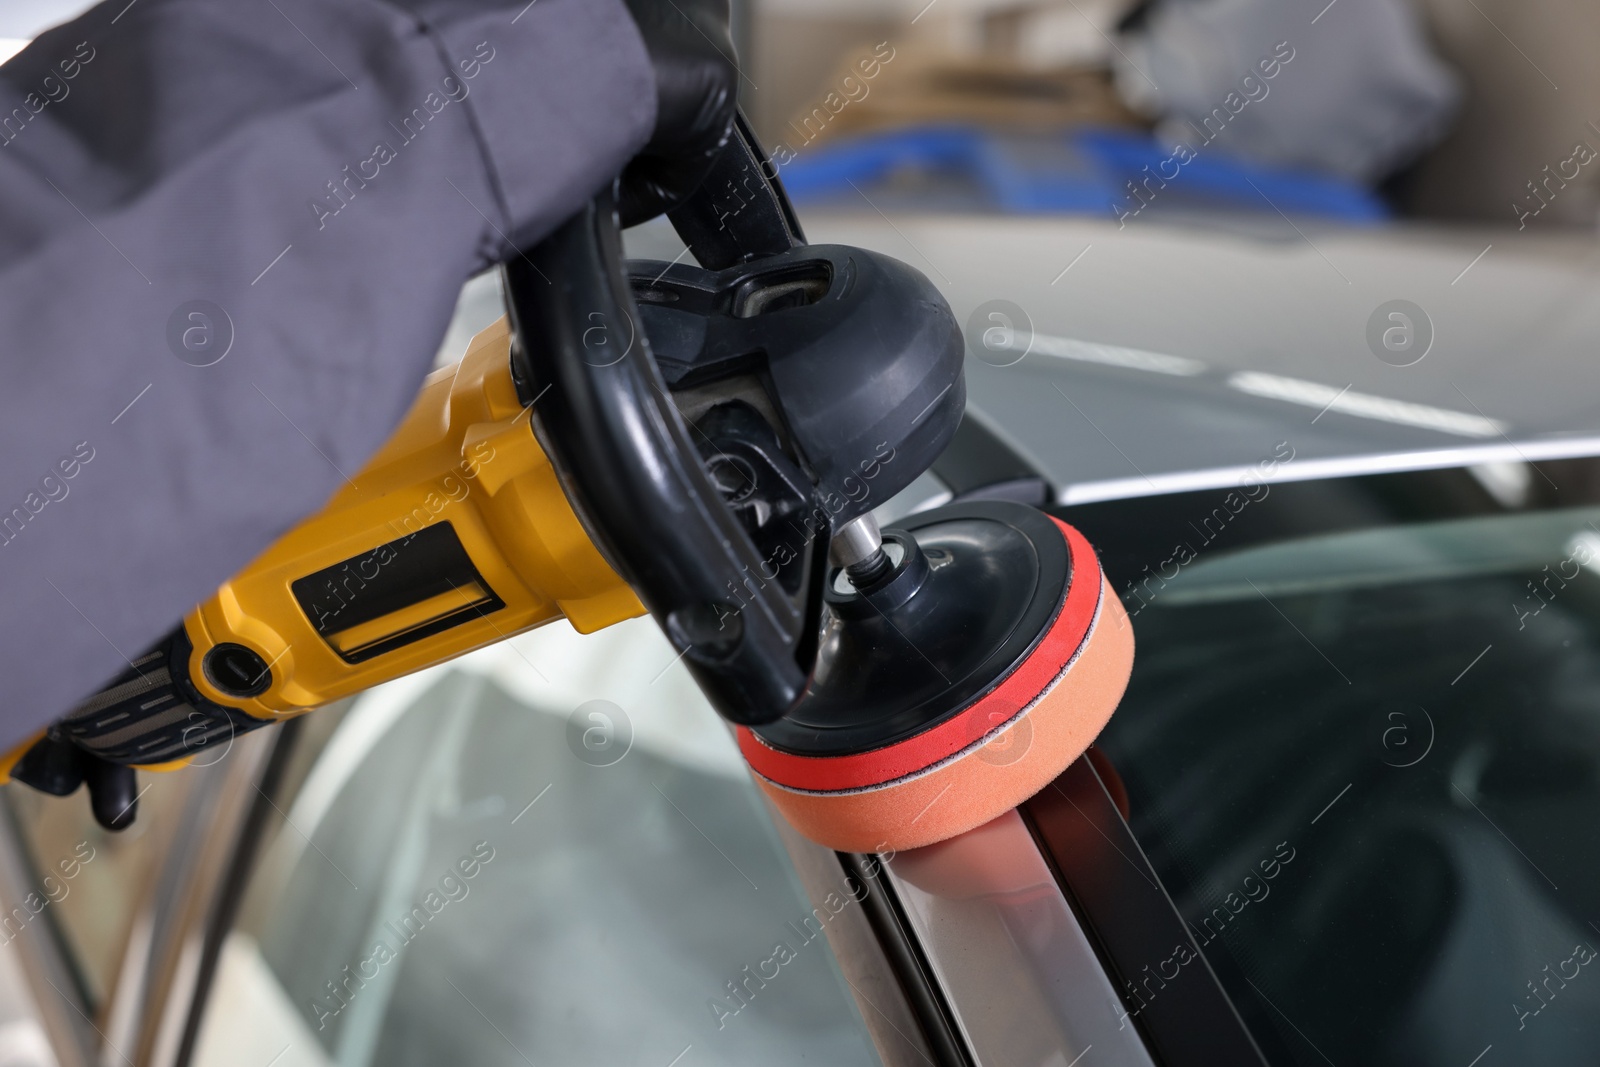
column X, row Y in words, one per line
column 1364, row 762
column 548, row 852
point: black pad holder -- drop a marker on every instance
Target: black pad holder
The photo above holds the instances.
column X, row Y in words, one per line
column 714, row 425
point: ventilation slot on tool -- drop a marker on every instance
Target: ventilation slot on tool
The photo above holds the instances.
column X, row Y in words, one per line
column 398, row 593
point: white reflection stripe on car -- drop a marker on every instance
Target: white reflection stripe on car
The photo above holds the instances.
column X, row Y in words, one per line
column 1321, row 397
column 1302, row 470
column 1116, row 356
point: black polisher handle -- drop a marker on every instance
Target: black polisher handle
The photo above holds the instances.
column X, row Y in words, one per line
column 740, row 212
column 624, row 453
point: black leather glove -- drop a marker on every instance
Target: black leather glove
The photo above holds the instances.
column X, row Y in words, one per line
column 696, row 92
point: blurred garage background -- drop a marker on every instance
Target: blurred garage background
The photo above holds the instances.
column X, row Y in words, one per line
column 1433, row 109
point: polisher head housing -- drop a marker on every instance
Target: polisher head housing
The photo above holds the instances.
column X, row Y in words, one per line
column 952, row 688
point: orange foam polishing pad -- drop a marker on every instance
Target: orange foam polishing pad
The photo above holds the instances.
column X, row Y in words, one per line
column 983, row 759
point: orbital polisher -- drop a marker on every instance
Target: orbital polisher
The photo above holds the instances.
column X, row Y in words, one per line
column 706, row 443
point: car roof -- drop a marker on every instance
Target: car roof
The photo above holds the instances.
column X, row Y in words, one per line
column 1187, row 356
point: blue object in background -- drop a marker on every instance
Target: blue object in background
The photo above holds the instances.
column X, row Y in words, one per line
column 1229, row 179
column 817, row 173
column 1086, row 171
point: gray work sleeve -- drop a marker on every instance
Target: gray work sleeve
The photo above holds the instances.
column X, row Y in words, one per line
column 315, row 179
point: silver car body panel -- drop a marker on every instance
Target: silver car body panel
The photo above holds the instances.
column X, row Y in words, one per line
column 1168, row 349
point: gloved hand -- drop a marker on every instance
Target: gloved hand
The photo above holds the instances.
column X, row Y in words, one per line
column 696, row 91
column 149, row 715
column 55, row 765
